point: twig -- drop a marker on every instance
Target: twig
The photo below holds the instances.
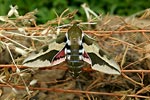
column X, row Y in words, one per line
column 16, row 42
column 77, row 91
column 141, row 59
column 65, row 67
column 132, row 80
column 89, row 31
column 129, row 44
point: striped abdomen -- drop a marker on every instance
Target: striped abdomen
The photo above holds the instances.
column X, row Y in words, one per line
column 74, row 59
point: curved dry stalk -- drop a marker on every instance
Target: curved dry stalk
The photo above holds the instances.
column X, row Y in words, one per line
column 16, row 42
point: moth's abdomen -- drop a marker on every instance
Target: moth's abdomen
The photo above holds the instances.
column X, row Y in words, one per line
column 75, row 67
column 74, row 58
column 75, row 62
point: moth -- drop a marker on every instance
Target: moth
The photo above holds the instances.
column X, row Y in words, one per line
column 76, row 48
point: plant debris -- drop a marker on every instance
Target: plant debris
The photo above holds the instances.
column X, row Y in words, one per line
column 127, row 39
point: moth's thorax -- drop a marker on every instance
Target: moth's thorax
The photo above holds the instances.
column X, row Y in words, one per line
column 74, row 35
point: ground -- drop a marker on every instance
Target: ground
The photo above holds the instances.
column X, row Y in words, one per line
column 126, row 39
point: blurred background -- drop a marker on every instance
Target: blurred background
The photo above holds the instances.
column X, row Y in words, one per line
column 47, row 8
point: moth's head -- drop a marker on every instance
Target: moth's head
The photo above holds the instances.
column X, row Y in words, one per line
column 74, row 34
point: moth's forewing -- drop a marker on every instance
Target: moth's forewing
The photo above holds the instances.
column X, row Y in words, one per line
column 100, row 61
column 47, row 54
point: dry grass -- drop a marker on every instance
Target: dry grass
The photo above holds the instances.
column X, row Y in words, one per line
column 126, row 39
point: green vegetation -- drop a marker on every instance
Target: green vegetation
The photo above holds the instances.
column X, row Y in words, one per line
column 47, row 8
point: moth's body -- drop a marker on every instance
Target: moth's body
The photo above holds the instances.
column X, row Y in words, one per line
column 74, row 51
column 75, row 48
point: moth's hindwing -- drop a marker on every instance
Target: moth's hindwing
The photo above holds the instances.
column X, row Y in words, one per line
column 98, row 59
column 49, row 55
